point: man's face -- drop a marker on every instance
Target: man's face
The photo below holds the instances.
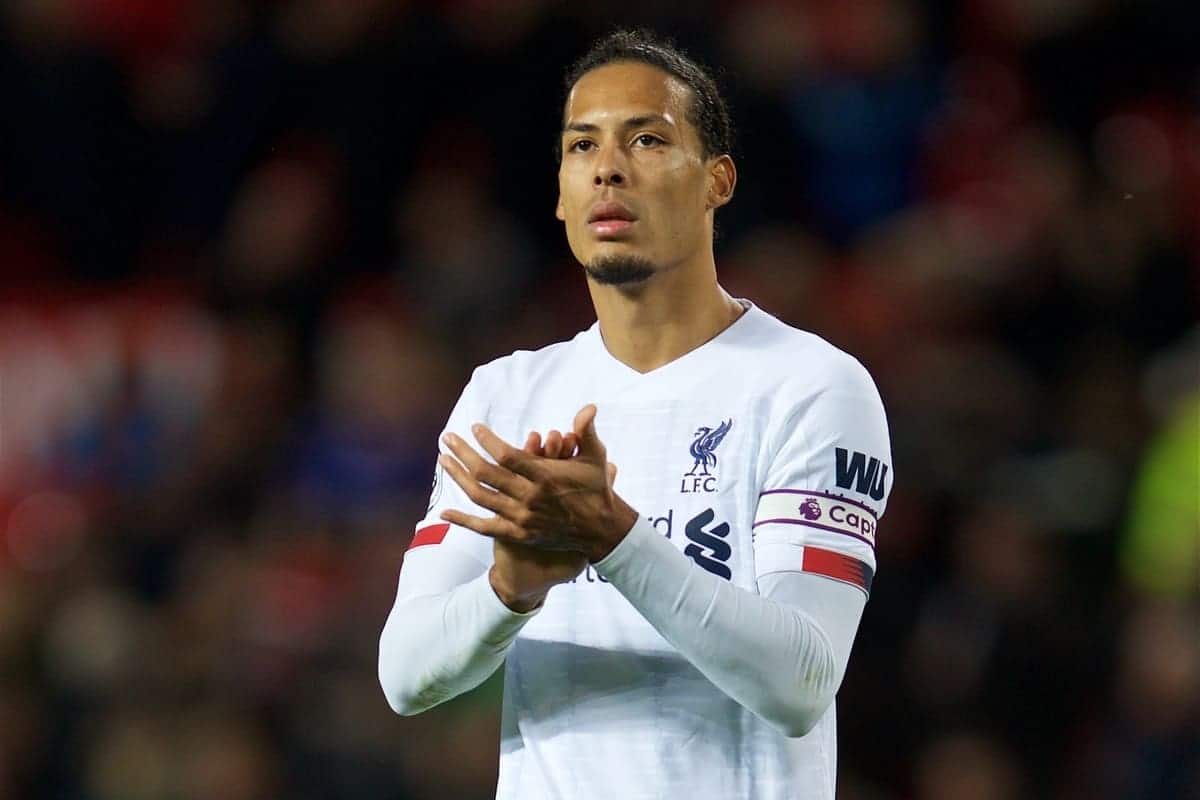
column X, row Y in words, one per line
column 633, row 183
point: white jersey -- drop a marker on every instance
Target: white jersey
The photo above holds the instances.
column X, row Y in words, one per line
column 764, row 450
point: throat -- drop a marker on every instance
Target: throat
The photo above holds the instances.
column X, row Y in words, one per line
column 645, row 343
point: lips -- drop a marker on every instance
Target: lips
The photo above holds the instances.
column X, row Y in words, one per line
column 608, row 228
column 610, row 210
column 610, row 219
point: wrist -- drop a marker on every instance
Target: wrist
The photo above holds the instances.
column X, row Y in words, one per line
column 521, row 603
column 623, row 519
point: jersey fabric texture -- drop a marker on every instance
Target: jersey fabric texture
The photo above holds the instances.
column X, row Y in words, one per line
column 763, row 451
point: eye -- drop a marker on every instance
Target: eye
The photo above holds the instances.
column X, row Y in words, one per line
column 578, row 146
column 648, row 140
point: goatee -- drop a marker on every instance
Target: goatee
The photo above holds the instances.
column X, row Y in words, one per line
column 620, row 270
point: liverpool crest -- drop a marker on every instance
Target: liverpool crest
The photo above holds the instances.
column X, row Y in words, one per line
column 703, row 452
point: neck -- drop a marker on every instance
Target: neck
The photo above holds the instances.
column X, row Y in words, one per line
column 667, row 316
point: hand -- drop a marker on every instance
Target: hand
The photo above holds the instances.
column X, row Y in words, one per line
column 551, row 504
column 522, row 575
column 557, row 445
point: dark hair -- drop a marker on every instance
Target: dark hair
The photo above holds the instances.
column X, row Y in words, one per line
column 709, row 113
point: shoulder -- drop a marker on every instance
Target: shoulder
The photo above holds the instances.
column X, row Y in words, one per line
column 804, row 362
column 524, row 367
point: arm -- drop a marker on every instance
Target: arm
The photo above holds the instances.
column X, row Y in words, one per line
column 781, row 654
column 446, row 633
column 449, row 630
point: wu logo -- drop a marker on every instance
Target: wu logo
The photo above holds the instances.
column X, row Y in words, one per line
column 708, row 548
column 860, row 474
column 704, row 455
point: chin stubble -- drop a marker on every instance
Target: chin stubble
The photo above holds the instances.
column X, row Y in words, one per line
column 620, row 270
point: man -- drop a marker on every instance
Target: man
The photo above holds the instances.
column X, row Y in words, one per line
column 677, row 627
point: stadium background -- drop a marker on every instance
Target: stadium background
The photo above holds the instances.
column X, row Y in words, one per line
column 250, row 252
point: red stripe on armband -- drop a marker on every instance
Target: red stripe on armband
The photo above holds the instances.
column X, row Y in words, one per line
column 430, row 534
column 838, row 566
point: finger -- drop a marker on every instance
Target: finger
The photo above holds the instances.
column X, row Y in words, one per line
column 481, row 470
column 533, row 445
column 590, row 446
column 480, row 495
column 554, row 443
column 507, row 457
column 495, row 528
column 610, row 470
column 570, row 444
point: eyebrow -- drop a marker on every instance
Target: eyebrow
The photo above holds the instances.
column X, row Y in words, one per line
column 632, row 122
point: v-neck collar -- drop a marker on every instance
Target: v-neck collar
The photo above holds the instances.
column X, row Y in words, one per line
column 615, row 368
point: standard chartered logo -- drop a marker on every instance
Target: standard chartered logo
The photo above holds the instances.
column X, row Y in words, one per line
column 707, row 543
column 708, row 547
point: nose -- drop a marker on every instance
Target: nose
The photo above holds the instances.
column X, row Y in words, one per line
column 610, row 169
column 609, row 176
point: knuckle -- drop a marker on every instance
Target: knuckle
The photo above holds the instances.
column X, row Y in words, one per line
column 523, row 518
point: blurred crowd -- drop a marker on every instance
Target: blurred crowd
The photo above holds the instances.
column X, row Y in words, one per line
column 250, row 252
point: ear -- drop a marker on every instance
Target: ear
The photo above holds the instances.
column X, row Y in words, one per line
column 722, row 179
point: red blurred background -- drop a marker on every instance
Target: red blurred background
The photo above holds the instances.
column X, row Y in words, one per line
column 250, row 252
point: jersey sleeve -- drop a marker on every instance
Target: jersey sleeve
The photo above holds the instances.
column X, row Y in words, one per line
column 447, row 631
column 827, row 482
column 432, row 532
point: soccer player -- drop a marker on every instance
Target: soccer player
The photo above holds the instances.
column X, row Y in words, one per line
column 674, row 584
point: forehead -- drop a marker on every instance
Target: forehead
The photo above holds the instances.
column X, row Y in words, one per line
column 624, row 89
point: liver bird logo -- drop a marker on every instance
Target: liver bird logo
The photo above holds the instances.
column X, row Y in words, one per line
column 706, row 442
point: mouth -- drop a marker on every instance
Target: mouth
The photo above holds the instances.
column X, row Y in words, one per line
column 610, row 228
column 610, row 219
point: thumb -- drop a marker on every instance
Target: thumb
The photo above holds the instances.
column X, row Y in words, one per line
column 590, row 445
